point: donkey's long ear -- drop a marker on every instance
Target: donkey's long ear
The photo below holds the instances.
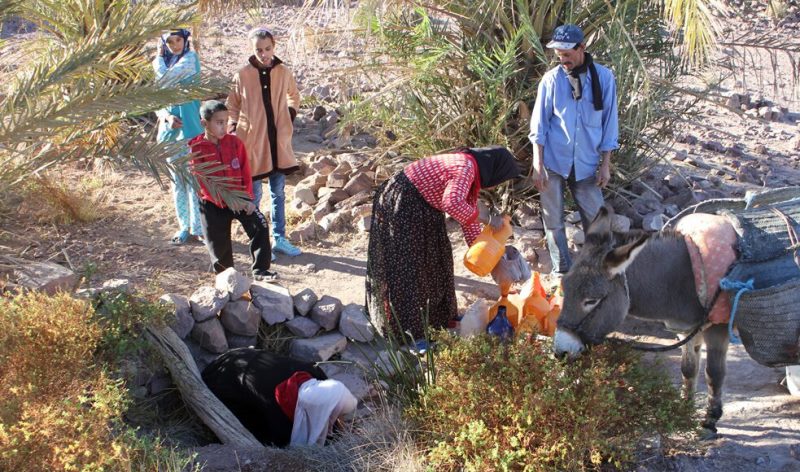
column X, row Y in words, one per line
column 619, row 258
column 601, row 225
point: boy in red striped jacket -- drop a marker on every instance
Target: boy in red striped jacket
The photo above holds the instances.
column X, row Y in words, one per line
column 226, row 153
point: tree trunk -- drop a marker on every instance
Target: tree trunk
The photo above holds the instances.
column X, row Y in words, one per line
column 194, row 391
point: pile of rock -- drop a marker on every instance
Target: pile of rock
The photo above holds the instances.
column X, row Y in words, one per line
column 756, row 108
column 227, row 316
column 336, row 195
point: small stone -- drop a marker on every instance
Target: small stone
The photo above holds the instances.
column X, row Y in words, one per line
column 315, row 138
column 653, row 221
column 274, row 302
column 336, row 180
column 355, row 384
column 302, row 326
column 304, row 194
column 318, row 349
column 207, row 302
column 304, row 301
column 159, row 383
column 324, row 165
column 363, row 224
column 680, row 155
column 715, row 146
column 362, row 210
column 183, row 322
column 210, row 335
column 573, row 217
column 355, row 324
column 733, row 102
column 360, row 355
column 305, row 232
column 761, row 149
column 322, row 210
column 201, row 356
column 620, row 223
column 232, row 282
column 46, row 277
column 241, row 317
column 319, row 112
column 326, row 312
column 671, row 210
column 356, row 200
column 645, row 205
column 761, row 461
column 315, row 181
column 116, row 285
column 236, row 341
column 576, row 235
column 360, row 182
column 333, row 196
column 331, row 222
column 301, row 209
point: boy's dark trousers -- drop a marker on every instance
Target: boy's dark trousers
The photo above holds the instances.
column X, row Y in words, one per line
column 216, row 223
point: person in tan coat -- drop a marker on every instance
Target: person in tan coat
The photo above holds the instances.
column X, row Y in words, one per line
column 263, row 103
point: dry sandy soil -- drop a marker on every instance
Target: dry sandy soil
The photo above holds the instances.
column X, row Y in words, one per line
column 760, row 429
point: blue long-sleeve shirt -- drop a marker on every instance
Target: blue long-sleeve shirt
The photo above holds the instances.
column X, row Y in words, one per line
column 572, row 131
column 185, row 70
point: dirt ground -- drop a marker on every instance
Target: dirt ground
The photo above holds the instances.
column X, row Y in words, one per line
column 760, row 427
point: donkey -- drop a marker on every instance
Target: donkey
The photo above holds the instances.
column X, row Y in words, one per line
column 648, row 277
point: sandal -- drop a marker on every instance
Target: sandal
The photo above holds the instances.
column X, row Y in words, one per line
column 179, row 238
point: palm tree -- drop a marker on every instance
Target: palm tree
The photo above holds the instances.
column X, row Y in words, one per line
column 83, row 84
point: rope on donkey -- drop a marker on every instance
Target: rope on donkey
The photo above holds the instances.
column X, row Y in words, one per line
column 641, row 347
column 741, row 288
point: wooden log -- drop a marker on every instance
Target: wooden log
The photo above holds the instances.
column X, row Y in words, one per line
column 194, row 391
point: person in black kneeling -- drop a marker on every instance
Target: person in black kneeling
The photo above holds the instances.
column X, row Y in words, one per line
column 282, row 401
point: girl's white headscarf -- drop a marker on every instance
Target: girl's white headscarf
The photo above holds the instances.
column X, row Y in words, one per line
column 319, row 405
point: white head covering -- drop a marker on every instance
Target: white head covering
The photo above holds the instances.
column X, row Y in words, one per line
column 319, row 405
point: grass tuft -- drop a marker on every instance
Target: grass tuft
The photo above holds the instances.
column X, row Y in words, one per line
column 514, row 407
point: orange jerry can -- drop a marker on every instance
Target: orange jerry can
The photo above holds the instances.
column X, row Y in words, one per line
column 488, row 248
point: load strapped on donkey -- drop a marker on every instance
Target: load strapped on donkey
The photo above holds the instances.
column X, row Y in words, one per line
column 764, row 280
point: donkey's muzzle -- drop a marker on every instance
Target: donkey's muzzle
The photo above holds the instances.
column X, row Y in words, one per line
column 567, row 344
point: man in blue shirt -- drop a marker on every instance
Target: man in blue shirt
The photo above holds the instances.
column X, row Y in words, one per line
column 574, row 128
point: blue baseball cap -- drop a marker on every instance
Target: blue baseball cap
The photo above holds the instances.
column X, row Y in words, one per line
column 566, row 37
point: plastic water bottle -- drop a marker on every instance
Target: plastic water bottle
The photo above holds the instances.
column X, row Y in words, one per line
column 500, row 326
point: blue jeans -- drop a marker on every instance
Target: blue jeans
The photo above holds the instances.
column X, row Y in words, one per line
column 589, row 198
column 277, row 196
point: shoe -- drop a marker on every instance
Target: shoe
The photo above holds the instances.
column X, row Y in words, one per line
column 283, row 246
column 265, row 276
column 179, row 238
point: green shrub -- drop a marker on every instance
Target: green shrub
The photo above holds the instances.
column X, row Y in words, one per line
column 60, row 409
column 122, row 317
column 514, row 407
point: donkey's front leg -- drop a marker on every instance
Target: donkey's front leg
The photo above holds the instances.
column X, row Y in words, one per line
column 690, row 364
column 716, row 338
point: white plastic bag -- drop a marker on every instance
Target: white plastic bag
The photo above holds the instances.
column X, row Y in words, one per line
column 475, row 319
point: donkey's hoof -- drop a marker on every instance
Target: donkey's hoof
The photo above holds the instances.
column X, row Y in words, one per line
column 706, row 433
